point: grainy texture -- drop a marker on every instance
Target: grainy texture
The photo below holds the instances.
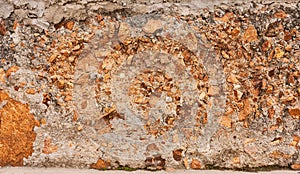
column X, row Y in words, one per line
column 153, row 85
column 17, row 135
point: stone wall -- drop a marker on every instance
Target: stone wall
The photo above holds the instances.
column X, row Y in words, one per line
column 150, row 84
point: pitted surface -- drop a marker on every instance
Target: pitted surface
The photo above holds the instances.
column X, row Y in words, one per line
column 156, row 85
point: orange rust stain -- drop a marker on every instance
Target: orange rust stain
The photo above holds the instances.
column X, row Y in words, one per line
column 16, row 131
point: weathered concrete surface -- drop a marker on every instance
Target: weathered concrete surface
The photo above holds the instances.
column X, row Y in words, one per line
column 150, row 84
column 23, row 170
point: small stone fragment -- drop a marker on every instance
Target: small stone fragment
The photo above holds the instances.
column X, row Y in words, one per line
column 278, row 53
column 2, row 75
column 69, row 25
column 60, row 84
column 250, row 34
column 288, row 48
column 235, row 32
column 225, row 55
column 30, row 91
column 238, row 94
column 2, row 28
column 266, row 46
column 43, row 121
column 177, row 154
column 226, row 121
column 41, row 23
column 235, row 160
column 152, row 147
column 76, row 48
column 100, row 165
column 71, row 59
column 232, row 79
column 295, row 141
column 213, row 91
column 124, row 31
column 75, row 117
column 195, row 164
column 287, row 36
column 246, row 110
column 141, row 100
column 274, row 29
column 276, row 140
column 52, row 58
column 295, row 166
column 68, row 98
column 79, row 128
column 48, row 146
column 190, row 41
column 155, row 162
column 152, row 25
column 271, row 112
column 280, row 14
column 186, row 163
column 294, row 112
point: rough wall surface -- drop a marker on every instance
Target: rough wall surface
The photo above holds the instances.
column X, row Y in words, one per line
column 149, row 84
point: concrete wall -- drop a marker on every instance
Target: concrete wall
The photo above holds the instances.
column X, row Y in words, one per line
column 150, row 84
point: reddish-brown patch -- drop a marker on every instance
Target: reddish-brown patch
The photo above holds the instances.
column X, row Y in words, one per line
column 16, row 131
